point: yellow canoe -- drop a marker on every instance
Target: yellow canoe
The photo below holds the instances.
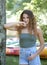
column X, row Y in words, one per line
column 43, row 53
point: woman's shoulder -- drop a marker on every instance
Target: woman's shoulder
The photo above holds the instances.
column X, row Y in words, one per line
column 39, row 30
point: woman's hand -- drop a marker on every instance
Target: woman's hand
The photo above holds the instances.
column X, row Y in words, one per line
column 31, row 57
column 21, row 23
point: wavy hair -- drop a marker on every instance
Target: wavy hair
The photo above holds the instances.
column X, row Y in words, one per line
column 32, row 20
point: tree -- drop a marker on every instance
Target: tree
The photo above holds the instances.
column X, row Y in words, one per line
column 44, row 28
column 36, row 5
column 2, row 33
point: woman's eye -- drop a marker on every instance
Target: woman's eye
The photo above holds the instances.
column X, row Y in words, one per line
column 25, row 17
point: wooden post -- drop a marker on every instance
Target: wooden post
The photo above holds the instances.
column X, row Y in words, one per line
column 2, row 32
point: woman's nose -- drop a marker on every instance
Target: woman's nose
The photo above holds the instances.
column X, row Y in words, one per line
column 26, row 20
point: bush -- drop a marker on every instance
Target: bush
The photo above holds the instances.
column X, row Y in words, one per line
column 44, row 29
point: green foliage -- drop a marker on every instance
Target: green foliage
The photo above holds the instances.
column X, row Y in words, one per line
column 35, row 5
column 9, row 4
column 44, row 28
column 41, row 5
column 15, row 4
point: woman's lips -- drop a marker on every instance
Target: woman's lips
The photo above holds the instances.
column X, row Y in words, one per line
column 26, row 23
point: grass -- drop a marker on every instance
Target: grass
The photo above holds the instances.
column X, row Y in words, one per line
column 44, row 61
column 14, row 60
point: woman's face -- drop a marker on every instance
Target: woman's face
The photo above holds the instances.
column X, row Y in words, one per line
column 26, row 18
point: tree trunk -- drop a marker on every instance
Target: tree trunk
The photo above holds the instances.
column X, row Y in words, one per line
column 2, row 32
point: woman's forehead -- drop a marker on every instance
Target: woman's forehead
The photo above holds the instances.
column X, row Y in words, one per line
column 25, row 15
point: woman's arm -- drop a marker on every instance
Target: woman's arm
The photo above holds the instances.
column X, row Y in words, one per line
column 41, row 39
column 9, row 25
column 13, row 25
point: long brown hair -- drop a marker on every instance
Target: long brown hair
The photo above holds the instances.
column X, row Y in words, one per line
column 32, row 20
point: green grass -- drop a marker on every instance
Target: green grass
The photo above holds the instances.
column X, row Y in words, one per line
column 44, row 61
column 14, row 60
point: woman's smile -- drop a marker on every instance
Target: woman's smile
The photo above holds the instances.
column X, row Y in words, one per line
column 26, row 18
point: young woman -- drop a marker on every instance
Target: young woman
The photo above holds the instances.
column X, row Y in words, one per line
column 28, row 34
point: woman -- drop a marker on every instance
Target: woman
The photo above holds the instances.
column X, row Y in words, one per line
column 28, row 34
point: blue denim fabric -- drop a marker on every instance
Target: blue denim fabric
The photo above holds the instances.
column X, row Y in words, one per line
column 25, row 53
